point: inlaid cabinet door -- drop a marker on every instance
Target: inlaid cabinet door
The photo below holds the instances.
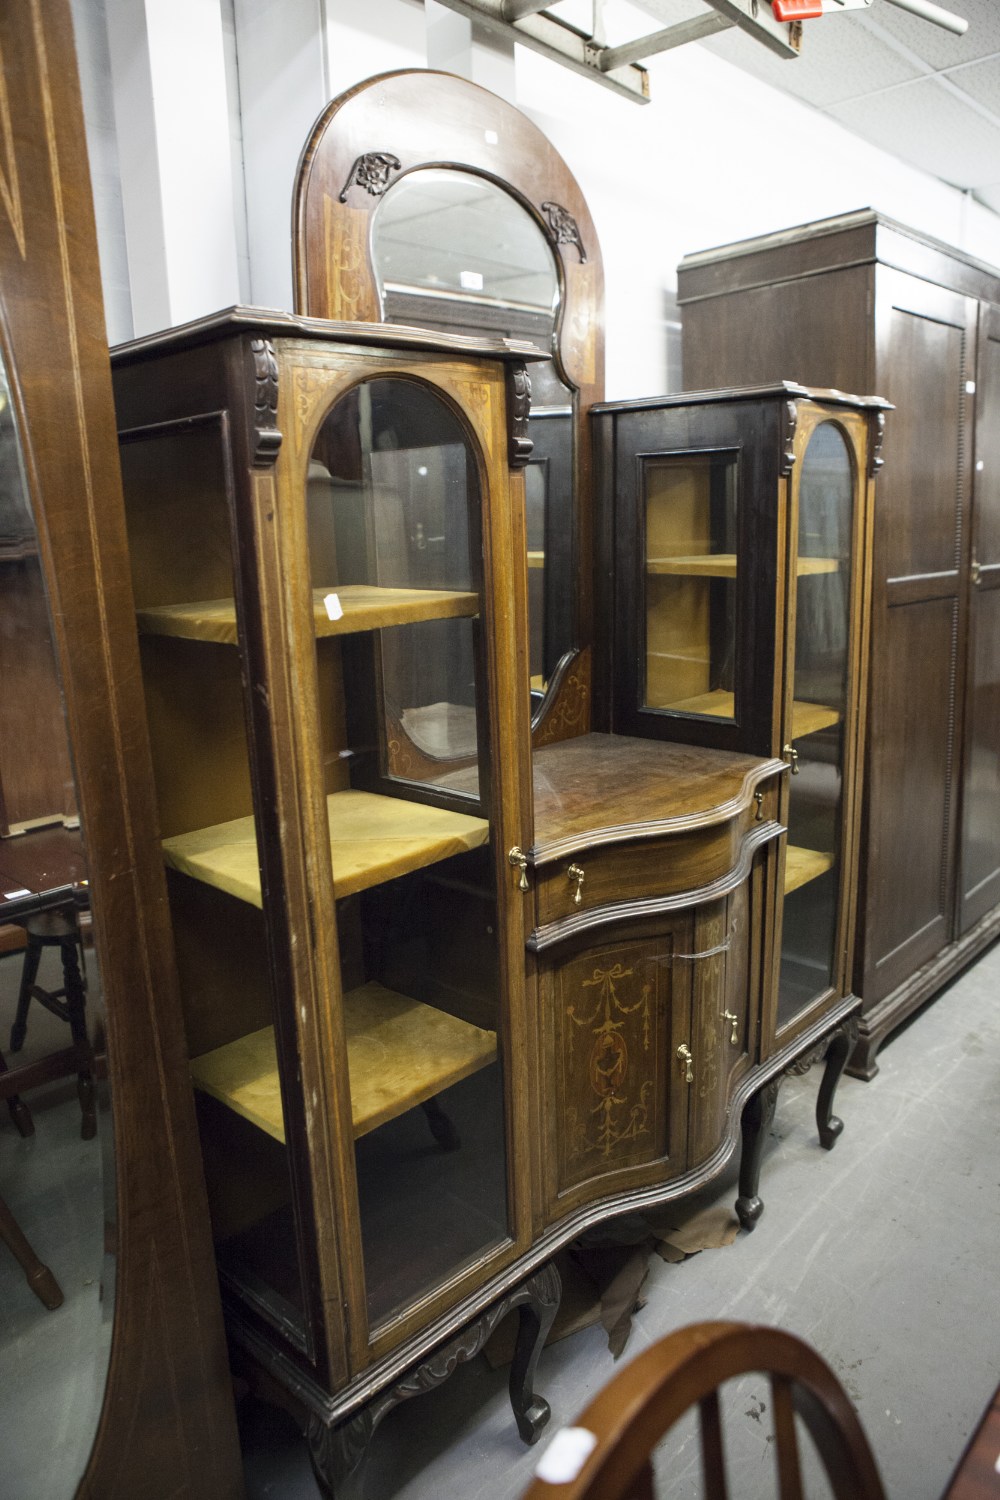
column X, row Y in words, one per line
column 979, row 863
column 722, row 1016
column 618, row 1013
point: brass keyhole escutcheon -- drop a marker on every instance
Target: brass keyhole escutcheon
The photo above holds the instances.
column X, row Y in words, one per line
column 792, row 756
column 758, row 797
column 734, row 1021
column 519, row 859
column 576, row 873
column 687, row 1062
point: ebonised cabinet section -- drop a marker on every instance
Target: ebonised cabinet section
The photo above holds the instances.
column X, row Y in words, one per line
column 450, row 999
column 736, row 527
column 862, row 303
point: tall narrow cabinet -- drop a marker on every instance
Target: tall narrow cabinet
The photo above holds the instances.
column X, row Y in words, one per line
column 736, row 531
column 863, row 303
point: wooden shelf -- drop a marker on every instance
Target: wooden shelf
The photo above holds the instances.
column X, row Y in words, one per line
column 723, row 565
column 364, row 608
column 400, row 1052
column 803, row 865
column 706, row 565
column 372, row 839
column 807, row 718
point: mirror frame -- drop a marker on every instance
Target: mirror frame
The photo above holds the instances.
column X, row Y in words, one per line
column 401, row 122
column 167, row 1424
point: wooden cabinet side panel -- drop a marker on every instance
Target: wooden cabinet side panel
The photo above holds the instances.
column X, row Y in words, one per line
column 980, row 837
column 814, row 330
column 979, row 859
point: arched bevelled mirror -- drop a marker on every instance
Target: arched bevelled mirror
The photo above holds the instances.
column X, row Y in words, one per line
column 56, row 1325
column 423, row 199
column 140, row 1275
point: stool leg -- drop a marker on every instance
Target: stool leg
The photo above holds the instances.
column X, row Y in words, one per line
column 18, row 1110
column 76, row 1004
column 29, row 973
column 40, row 1278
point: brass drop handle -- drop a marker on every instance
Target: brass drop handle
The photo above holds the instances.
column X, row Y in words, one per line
column 576, row 872
column 518, row 858
column 734, row 1020
column 792, row 756
column 758, row 797
column 687, row 1062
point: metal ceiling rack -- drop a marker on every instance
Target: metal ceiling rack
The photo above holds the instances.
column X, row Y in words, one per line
column 620, row 68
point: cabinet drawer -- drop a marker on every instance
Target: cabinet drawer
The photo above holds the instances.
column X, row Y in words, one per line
column 687, row 860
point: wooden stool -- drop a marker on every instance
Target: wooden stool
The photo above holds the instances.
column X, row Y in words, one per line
column 58, row 929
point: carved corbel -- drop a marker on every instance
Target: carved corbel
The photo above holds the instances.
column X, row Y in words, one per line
column 267, row 437
column 877, row 439
column 791, row 421
column 518, row 411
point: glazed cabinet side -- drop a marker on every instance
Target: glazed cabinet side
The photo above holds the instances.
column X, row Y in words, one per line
column 827, row 565
column 333, row 636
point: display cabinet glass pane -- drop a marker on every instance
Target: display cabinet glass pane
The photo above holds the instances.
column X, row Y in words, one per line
column 176, row 486
column 820, row 680
column 690, row 584
column 395, row 571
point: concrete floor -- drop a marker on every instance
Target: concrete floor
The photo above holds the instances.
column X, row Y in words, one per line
column 884, row 1254
column 53, row 1364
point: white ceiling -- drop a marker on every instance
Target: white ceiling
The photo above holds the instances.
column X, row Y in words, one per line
column 927, row 96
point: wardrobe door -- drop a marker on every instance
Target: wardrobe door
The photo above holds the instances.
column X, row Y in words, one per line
column 979, row 859
column 926, row 355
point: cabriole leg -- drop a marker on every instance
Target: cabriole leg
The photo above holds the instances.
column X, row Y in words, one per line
column 532, row 1412
column 842, row 1044
column 758, row 1113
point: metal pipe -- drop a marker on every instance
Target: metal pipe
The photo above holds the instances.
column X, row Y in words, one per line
column 936, row 14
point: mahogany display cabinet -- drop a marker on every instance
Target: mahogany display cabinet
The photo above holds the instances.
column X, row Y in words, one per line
column 864, row 303
column 736, row 537
column 451, row 999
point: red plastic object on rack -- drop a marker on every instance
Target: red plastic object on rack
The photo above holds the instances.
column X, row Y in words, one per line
column 796, row 10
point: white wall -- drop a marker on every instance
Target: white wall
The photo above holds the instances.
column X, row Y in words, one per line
column 714, row 157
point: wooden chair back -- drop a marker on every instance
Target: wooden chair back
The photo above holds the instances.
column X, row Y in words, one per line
column 686, row 1370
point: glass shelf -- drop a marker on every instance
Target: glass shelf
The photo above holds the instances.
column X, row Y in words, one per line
column 723, row 565
column 400, row 1053
column 364, row 608
column 804, row 865
column 372, row 839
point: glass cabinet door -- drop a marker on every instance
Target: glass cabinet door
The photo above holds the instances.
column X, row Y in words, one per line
column 396, row 575
column 816, row 743
column 689, row 584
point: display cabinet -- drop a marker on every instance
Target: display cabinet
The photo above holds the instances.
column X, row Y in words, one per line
column 450, row 998
column 861, row 302
column 737, row 534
